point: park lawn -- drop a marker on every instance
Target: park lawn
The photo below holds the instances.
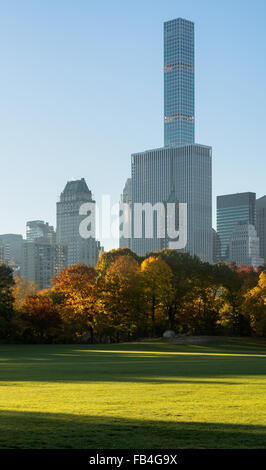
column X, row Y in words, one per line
column 151, row 394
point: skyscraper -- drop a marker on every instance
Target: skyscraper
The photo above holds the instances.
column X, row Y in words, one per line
column 186, row 172
column 181, row 171
column 42, row 261
column 244, row 246
column 179, row 83
column 261, row 225
column 14, row 242
column 231, row 209
column 79, row 250
column 42, row 258
column 39, row 228
column 126, row 198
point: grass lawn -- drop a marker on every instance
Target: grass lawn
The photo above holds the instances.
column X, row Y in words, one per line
column 147, row 395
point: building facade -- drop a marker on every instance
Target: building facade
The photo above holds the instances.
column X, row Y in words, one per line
column 4, row 253
column 244, row 247
column 42, row 261
column 179, row 83
column 182, row 175
column 216, row 247
column 13, row 247
column 79, row 249
column 125, row 212
column 39, row 228
column 181, row 171
column 231, row 209
column 261, row 225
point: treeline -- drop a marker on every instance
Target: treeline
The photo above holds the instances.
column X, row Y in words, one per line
column 128, row 297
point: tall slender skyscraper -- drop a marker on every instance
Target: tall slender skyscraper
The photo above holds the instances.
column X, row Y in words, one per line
column 181, row 171
column 179, row 83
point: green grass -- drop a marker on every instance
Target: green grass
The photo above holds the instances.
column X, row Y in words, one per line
column 147, row 395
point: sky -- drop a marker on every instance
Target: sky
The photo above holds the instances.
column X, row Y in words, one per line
column 81, row 89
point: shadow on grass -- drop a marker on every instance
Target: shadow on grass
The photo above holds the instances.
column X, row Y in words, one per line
column 62, row 431
column 120, row 364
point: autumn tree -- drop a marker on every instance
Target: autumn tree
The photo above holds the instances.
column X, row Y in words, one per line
column 202, row 303
column 74, row 292
column 22, row 289
column 185, row 274
column 6, row 300
column 119, row 299
column 235, row 281
column 108, row 257
column 156, row 278
column 255, row 306
column 38, row 319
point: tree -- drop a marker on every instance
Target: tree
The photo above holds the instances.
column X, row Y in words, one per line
column 22, row 289
column 6, row 300
column 119, row 299
column 255, row 306
column 185, row 270
column 156, row 277
column 38, row 319
column 108, row 257
column 235, row 282
column 74, row 292
column 200, row 312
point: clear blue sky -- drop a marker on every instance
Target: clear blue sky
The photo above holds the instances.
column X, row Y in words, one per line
column 81, row 88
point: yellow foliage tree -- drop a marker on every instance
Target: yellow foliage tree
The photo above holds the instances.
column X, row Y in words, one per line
column 75, row 286
column 255, row 306
column 156, row 279
column 22, row 289
column 118, row 298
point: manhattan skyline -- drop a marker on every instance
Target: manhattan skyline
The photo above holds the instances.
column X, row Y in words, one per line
column 77, row 105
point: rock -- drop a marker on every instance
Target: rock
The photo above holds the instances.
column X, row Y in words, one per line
column 169, row 334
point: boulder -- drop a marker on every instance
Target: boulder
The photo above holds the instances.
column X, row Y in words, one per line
column 169, row 334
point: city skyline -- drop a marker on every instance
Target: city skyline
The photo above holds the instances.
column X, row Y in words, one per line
column 54, row 162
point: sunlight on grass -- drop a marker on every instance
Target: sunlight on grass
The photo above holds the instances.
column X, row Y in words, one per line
column 166, row 353
column 151, row 395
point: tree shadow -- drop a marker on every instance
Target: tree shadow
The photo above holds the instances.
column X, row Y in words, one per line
column 31, row 430
column 154, row 363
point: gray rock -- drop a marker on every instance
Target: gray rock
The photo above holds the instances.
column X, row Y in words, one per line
column 169, row 334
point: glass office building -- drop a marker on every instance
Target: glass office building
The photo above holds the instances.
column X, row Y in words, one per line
column 232, row 209
column 184, row 175
column 179, row 83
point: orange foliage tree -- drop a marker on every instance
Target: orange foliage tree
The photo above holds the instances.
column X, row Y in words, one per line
column 74, row 290
column 38, row 318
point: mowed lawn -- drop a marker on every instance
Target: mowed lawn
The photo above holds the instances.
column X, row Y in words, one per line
column 151, row 394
